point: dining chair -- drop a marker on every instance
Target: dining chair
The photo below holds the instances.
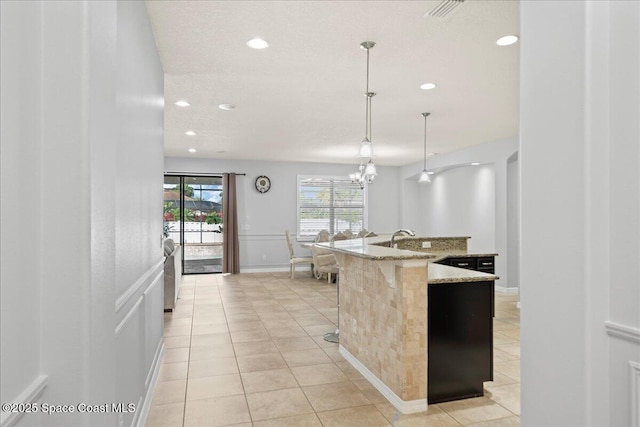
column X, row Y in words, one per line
column 322, row 236
column 293, row 259
column 324, row 262
column 365, row 233
column 340, row 236
column 349, row 234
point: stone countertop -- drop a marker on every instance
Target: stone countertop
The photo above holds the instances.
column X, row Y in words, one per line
column 364, row 248
column 369, row 248
column 372, row 248
column 386, row 238
column 439, row 273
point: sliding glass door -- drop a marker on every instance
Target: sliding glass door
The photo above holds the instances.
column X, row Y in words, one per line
column 193, row 218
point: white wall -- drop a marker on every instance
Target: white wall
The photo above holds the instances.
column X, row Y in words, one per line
column 477, row 206
column 580, row 182
column 263, row 218
column 137, row 172
column 82, row 151
column 461, row 202
column 464, row 197
column 513, row 221
column 19, row 153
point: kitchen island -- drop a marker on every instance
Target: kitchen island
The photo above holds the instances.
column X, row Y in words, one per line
column 412, row 354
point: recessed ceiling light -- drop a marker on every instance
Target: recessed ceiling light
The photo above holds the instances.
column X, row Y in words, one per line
column 227, row 107
column 475, row 164
column 192, row 150
column 427, row 86
column 507, row 40
column 182, row 103
column 257, row 43
column 430, row 173
column 190, row 133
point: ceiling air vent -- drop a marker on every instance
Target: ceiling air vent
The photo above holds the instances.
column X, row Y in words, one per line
column 444, row 8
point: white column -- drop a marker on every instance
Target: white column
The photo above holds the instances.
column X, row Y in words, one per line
column 580, row 151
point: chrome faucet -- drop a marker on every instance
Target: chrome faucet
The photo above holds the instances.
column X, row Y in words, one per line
column 399, row 232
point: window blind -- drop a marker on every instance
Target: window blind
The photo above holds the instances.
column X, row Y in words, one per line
column 329, row 203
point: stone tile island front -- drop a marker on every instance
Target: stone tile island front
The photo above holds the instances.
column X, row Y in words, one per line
column 384, row 319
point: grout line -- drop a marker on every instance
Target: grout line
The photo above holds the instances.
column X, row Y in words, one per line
column 186, row 388
column 304, row 287
column 235, row 355
column 294, row 376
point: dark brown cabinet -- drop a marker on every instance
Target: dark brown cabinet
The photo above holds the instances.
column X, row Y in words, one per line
column 460, row 340
column 486, row 264
column 460, row 337
column 469, row 263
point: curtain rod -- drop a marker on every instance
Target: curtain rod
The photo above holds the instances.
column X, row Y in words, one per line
column 201, row 173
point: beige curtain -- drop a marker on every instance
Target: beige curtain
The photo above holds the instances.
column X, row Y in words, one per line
column 230, row 243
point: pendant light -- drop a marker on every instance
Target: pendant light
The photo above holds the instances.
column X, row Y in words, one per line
column 424, row 176
column 366, row 172
column 366, row 148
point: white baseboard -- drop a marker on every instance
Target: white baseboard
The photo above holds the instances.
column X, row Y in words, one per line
column 146, row 403
column 266, row 269
column 31, row 394
column 300, row 271
column 505, row 290
column 404, row 406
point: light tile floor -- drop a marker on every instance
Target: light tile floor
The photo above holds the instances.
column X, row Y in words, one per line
column 247, row 350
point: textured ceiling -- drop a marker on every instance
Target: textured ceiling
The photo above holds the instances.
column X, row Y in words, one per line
column 302, row 99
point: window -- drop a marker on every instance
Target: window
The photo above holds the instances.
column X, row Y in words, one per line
column 332, row 203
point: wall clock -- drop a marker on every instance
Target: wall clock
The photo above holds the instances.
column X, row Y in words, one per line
column 263, row 184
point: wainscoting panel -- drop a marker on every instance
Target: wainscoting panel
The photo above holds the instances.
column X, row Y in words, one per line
column 624, row 374
column 142, row 411
column 138, row 336
column 634, row 370
column 31, row 394
column 130, row 351
column 623, row 332
column 136, row 289
column 153, row 299
column 266, row 251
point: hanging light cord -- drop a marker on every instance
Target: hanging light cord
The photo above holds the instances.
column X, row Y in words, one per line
column 367, row 119
column 368, row 100
column 367, row 70
column 425, row 142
